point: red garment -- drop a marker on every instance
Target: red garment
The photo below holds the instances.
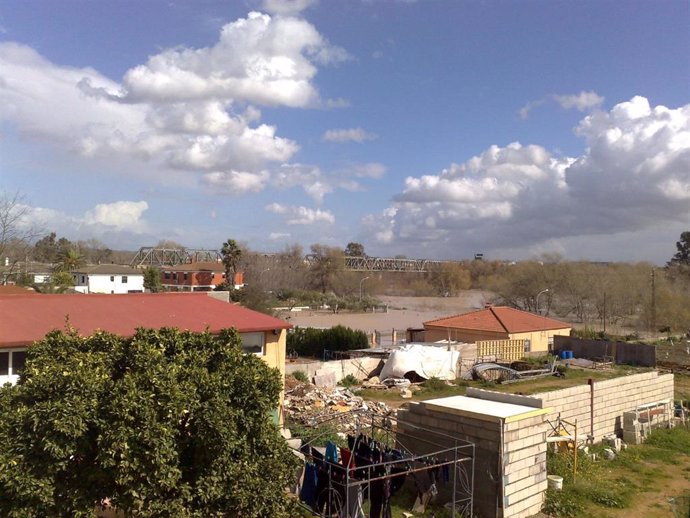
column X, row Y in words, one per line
column 346, row 458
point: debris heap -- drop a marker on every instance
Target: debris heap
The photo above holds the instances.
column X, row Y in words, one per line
column 311, row 405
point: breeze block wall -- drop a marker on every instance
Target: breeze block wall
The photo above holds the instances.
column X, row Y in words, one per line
column 510, row 457
column 610, row 398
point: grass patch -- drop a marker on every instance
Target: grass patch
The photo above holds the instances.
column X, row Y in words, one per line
column 617, row 484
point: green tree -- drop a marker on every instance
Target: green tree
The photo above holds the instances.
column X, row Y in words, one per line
column 355, row 250
column 681, row 259
column 231, row 254
column 60, row 282
column 152, row 279
column 69, row 260
column 45, row 249
column 166, row 423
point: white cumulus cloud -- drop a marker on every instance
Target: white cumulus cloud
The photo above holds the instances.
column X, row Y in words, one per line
column 236, row 182
column 120, row 214
column 584, row 101
column 258, row 59
column 286, row 6
column 299, row 215
column 634, row 175
column 348, row 135
column 190, row 110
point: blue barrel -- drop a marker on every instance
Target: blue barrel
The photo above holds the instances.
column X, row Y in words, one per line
column 568, row 355
column 564, row 355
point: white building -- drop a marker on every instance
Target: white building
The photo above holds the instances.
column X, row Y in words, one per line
column 108, row 278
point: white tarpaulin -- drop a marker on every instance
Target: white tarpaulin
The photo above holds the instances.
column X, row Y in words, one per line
column 425, row 360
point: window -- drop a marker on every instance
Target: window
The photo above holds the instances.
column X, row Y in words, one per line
column 83, row 279
column 185, row 276
column 112, row 278
column 12, row 362
column 124, row 279
column 4, row 364
column 167, row 275
column 528, row 345
column 18, row 360
column 253, row 343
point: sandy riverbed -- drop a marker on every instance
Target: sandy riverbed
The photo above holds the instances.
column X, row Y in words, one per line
column 403, row 312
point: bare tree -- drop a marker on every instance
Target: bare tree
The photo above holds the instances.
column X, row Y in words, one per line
column 16, row 233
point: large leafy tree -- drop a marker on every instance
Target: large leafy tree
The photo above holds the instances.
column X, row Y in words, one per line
column 152, row 279
column 326, row 263
column 355, row 250
column 682, row 256
column 166, row 423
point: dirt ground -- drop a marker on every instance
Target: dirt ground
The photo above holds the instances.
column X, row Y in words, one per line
column 403, row 312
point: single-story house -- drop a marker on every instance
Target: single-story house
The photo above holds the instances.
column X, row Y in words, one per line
column 108, row 278
column 25, row 319
column 498, row 323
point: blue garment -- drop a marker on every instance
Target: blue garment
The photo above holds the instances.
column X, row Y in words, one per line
column 332, row 452
column 308, row 492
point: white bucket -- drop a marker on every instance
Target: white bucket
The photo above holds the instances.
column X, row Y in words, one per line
column 555, row 482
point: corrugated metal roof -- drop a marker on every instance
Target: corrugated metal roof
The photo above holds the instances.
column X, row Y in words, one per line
column 27, row 318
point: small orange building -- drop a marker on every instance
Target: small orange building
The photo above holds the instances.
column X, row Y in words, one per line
column 498, row 323
column 201, row 276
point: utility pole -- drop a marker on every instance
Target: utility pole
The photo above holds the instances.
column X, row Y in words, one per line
column 604, row 312
column 653, row 319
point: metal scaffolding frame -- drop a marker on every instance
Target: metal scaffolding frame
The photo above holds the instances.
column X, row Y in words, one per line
column 346, row 482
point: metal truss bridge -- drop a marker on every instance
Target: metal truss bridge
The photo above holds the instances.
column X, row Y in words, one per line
column 152, row 256
column 386, row 264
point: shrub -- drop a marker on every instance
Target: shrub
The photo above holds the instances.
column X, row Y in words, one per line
column 301, row 376
column 313, row 342
column 434, row 384
column 349, row 381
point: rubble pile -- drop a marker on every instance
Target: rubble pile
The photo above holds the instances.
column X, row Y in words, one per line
column 311, row 405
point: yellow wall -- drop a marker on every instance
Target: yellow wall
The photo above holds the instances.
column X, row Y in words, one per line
column 540, row 339
column 274, row 356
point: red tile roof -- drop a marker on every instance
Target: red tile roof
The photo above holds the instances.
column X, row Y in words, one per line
column 499, row 319
column 24, row 319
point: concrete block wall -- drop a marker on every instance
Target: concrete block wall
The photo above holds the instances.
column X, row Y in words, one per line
column 611, row 399
column 524, row 466
column 511, row 454
column 360, row 368
column 485, row 435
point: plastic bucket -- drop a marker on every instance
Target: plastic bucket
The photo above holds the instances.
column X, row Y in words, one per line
column 554, row 482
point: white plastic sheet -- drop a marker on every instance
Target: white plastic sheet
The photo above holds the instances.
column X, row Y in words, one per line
column 425, row 360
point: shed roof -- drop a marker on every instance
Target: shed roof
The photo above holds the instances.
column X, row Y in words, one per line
column 499, row 319
column 27, row 318
column 483, row 409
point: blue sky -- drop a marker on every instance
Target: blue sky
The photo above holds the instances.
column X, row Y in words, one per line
column 430, row 129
